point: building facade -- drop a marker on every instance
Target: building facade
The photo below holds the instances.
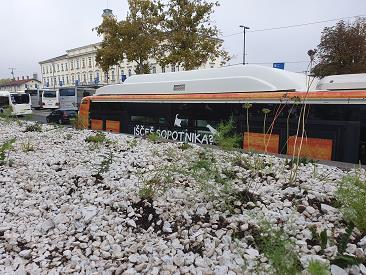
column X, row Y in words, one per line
column 78, row 67
column 21, row 84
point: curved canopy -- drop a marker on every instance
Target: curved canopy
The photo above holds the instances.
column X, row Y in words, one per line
column 248, row 78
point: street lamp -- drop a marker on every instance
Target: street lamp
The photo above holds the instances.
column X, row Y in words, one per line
column 244, row 28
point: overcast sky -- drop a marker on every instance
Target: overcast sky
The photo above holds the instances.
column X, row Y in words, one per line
column 35, row 30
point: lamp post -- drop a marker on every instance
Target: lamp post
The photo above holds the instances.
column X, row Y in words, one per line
column 244, row 29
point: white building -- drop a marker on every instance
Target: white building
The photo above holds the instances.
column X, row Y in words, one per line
column 21, row 84
column 78, row 67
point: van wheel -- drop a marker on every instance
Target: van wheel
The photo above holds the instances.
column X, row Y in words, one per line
column 1, row 110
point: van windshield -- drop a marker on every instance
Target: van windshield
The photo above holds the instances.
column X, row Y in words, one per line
column 49, row 93
column 19, row 98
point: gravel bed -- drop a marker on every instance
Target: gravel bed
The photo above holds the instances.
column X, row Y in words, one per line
column 73, row 207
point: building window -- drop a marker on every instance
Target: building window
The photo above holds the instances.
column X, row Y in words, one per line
column 173, row 68
column 72, row 79
column 90, row 62
column 47, row 69
column 77, row 64
column 113, row 76
column 63, row 80
column 72, row 64
column 163, row 69
column 84, row 78
column 83, row 62
column 62, row 67
column 129, row 72
column 67, row 80
column 65, row 66
column 78, row 79
column 106, row 77
column 90, row 77
column 154, row 70
column 43, row 69
column 97, row 76
column 58, row 67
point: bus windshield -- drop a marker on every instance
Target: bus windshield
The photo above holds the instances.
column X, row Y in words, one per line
column 19, row 98
column 49, row 93
column 67, row 92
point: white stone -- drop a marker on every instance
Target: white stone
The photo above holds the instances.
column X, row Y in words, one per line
column 252, row 252
column 131, row 223
column 362, row 269
column 328, row 209
column 336, row 270
column 25, row 253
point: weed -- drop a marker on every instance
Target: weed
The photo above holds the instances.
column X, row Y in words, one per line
column 132, row 143
column 185, row 146
column 6, row 113
column 5, row 149
column 265, row 111
column 35, row 127
column 318, row 268
column 321, row 238
column 97, row 138
column 68, row 136
column 225, row 137
column 351, row 194
column 278, row 248
column 153, row 137
column 158, row 184
column 255, row 163
column 27, row 147
column 77, row 123
column 105, row 164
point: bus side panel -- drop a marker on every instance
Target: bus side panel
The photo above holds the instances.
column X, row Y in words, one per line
column 83, row 119
column 113, row 126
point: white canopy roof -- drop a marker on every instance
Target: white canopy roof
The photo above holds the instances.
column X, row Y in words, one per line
column 342, row 82
column 248, row 78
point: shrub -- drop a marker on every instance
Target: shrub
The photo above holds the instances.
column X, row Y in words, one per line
column 27, row 147
column 185, row 146
column 35, row 127
column 225, row 137
column 278, row 248
column 5, row 149
column 318, row 268
column 351, row 194
column 153, row 137
column 6, row 113
column 97, row 138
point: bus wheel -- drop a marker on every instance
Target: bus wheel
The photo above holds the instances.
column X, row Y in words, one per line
column 59, row 121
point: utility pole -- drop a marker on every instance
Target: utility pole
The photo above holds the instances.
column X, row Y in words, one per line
column 12, row 72
column 244, row 29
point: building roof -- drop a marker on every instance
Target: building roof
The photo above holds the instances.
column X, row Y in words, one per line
column 18, row 82
column 344, row 81
column 54, row 59
column 248, row 78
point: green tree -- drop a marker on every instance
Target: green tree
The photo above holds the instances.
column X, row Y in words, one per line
column 4, row 81
column 342, row 49
column 190, row 38
column 136, row 38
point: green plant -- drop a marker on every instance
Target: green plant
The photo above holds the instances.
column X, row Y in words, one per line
column 153, row 137
column 158, row 183
column 185, row 146
column 225, row 137
column 97, row 138
column 27, row 147
column 6, row 113
column 35, row 127
column 105, row 164
column 316, row 267
column 279, row 249
column 321, row 238
column 76, row 122
column 351, row 194
column 132, row 143
column 5, row 149
column 68, row 136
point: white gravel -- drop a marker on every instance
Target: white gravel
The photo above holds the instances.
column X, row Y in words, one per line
column 57, row 216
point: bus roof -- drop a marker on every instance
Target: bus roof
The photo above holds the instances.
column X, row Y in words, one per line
column 343, row 82
column 248, row 78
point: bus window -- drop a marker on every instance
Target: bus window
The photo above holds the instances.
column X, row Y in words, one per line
column 20, row 99
column 49, row 94
column 67, row 92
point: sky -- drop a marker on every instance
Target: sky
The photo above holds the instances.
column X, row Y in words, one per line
column 36, row 30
